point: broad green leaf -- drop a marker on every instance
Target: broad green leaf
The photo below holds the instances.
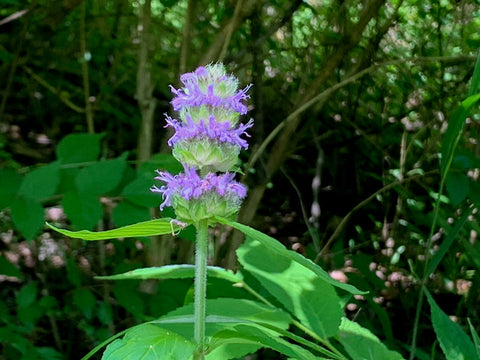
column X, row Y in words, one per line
column 28, row 216
column 100, row 177
column 173, row 272
column 79, row 148
column 447, row 242
column 138, row 192
column 127, row 213
column 41, row 183
column 127, row 294
column 146, row 228
column 360, row 343
column 306, row 295
column 85, row 300
column 83, row 210
column 27, row 295
column 223, row 313
column 48, row 353
column 279, row 249
column 458, row 186
column 253, row 334
column 454, row 342
column 149, row 342
column 8, row 269
column 161, row 161
column 9, row 184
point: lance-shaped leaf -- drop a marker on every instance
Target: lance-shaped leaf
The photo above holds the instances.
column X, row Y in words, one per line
column 146, row 228
column 173, row 272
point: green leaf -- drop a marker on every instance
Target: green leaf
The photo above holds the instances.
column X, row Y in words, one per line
column 279, row 249
column 28, row 216
column 85, row 300
column 306, row 295
column 146, row 228
column 454, row 131
column 48, row 353
column 129, row 297
column 475, row 192
column 79, row 148
column 475, row 81
column 73, row 272
column 41, row 183
column 83, row 210
column 454, row 342
column 9, row 185
column 127, row 213
column 173, row 272
column 105, row 314
column 223, row 313
column 27, row 295
column 458, row 186
column 161, row 161
column 476, row 338
column 360, row 343
column 8, row 269
column 149, row 342
column 253, row 334
column 100, row 177
column 138, row 192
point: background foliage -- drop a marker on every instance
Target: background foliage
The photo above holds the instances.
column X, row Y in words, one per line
column 351, row 102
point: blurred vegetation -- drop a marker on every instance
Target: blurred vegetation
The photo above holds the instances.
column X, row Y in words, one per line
column 351, row 100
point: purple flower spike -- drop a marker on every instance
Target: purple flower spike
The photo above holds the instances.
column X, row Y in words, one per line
column 194, row 96
column 207, row 141
column 217, row 131
column 189, row 185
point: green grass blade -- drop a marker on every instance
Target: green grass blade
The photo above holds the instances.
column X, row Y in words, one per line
column 475, row 78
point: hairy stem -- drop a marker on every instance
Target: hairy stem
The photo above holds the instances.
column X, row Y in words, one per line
column 200, row 287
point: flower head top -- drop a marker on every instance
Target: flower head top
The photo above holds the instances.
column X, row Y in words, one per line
column 210, row 86
column 207, row 140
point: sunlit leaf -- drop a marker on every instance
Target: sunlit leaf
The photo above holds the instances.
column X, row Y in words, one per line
column 278, row 248
column 146, row 228
column 306, row 295
column 149, row 342
column 173, row 272
column 360, row 343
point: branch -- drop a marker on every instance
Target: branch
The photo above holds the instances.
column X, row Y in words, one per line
column 54, row 91
column 214, row 51
column 326, row 93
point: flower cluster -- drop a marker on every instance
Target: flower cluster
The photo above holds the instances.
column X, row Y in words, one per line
column 207, row 141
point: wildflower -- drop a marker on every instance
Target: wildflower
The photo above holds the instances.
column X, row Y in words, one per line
column 207, row 141
column 195, row 198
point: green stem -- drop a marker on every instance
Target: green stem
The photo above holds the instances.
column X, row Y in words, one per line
column 200, row 287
